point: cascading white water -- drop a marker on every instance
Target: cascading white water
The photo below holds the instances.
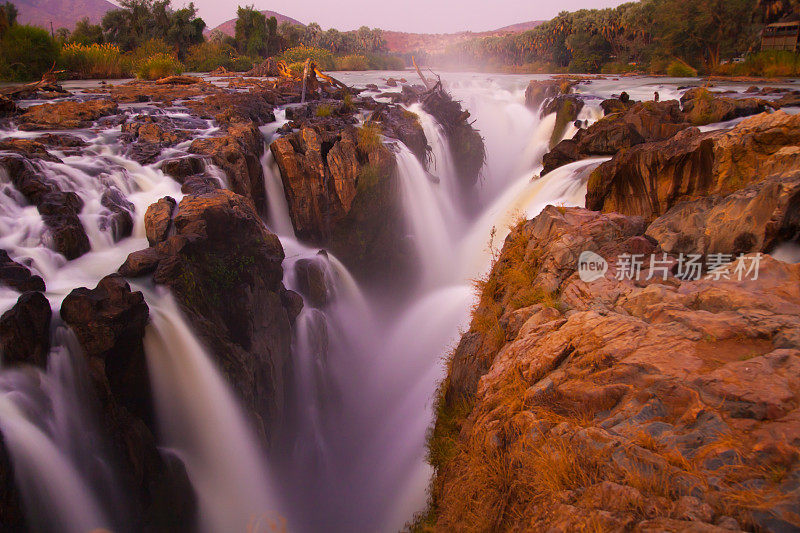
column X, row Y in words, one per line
column 352, row 457
column 64, row 476
column 356, row 461
column 202, row 424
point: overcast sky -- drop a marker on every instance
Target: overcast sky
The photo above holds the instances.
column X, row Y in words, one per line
column 424, row 16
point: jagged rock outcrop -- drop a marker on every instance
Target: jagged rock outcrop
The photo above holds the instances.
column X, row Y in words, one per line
column 158, row 220
column 66, row 115
column 566, row 107
column 756, row 218
column 17, row 276
column 662, row 404
column 466, row 143
column 237, row 151
column 109, row 322
column 649, row 179
column 59, row 209
column 254, row 106
column 224, row 268
column 342, row 190
column 538, row 91
column 627, row 124
column 703, row 107
column 641, row 123
column 25, row 331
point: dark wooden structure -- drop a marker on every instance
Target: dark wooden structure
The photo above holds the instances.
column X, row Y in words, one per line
column 781, row 36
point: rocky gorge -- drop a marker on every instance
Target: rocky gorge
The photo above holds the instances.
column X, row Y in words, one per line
column 666, row 404
column 650, row 399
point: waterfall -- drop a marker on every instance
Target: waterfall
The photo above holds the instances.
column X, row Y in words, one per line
column 202, row 423
column 351, row 456
column 60, row 465
column 428, row 213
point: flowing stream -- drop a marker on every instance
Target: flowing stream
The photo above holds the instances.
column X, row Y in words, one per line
column 352, row 455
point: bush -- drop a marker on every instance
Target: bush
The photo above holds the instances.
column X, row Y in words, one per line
column 94, row 61
column 680, row 69
column 26, row 52
column 369, row 137
column 147, row 50
column 771, row 64
column 352, row 62
column 210, row 55
column 159, row 66
column 243, row 63
column 299, row 54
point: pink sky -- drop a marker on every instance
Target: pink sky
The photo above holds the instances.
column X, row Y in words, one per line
column 425, row 16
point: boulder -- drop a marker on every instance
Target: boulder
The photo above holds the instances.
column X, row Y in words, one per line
column 17, row 276
column 615, row 105
column 704, row 107
column 311, row 282
column 754, row 219
column 149, row 129
column 566, row 107
column 237, row 151
column 224, row 269
column 158, row 219
column 226, row 108
column 59, row 209
column 641, row 123
column 342, row 191
column 119, row 219
column 539, row 91
column 649, row 179
column 25, row 331
column 181, row 168
column 66, row 115
column 109, row 322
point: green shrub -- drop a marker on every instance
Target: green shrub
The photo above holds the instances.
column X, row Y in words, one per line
column 210, row 55
column 369, row 137
column 26, row 52
column 680, row 69
column 773, row 64
column 617, row 67
column 159, row 66
column 352, row 62
column 147, row 50
column 323, row 110
column 94, row 61
column 243, row 63
column 323, row 58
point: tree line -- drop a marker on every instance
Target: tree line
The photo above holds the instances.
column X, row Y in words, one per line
column 702, row 33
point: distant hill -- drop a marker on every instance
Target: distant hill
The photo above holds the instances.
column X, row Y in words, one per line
column 229, row 27
column 62, row 13
column 432, row 43
column 520, row 26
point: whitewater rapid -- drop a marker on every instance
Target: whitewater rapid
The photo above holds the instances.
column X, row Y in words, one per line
column 352, row 455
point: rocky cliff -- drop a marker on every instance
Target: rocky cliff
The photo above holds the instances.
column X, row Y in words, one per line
column 646, row 399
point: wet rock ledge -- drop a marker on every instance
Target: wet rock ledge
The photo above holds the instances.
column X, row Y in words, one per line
column 657, row 402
